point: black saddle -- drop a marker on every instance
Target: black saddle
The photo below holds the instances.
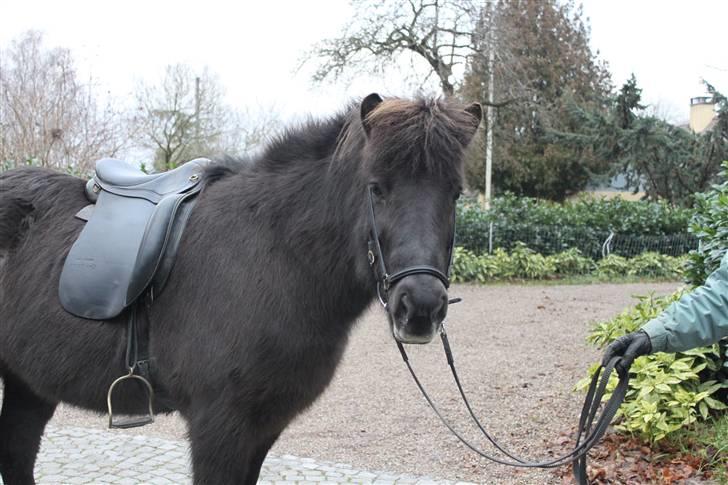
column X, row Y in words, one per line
column 132, row 234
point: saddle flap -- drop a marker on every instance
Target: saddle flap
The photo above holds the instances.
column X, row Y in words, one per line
column 100, row 264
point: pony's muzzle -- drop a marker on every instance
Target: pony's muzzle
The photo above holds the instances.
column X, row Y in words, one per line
column 418, row 305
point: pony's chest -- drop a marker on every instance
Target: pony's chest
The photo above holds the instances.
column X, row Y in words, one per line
column 306, row 367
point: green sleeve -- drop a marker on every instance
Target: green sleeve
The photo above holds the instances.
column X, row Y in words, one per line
column 697, row 319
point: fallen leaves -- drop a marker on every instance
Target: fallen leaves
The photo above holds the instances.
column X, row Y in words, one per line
column 623, row 460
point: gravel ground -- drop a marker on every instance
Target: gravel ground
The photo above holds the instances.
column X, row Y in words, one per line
column 519, row 351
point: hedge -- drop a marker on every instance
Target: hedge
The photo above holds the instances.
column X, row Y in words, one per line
column 585, row 224
column 524, row 263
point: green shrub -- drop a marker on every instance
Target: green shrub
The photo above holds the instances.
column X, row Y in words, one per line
column 466, row 266
column 669, row 392
column 501, row 263
column 710, row 225
column 666, row 391
column 550, row 228
column 613, row 265
column 524, row 263
column 657, row 265
column 571, row 262
column 678, row 266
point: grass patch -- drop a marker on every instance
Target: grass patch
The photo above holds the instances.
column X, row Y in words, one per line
column 707, row 440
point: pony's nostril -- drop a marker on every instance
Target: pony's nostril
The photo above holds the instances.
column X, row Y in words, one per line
column 438, row 314
column 405, row 309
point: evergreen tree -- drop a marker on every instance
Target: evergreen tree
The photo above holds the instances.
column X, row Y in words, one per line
column 666, row 161
column 542, row 59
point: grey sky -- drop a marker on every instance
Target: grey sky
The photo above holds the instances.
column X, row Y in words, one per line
column 669, row 45
column 255, row 46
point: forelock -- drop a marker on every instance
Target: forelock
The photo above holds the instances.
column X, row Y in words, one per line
column 421, row 136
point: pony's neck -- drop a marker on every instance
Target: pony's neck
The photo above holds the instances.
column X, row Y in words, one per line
column 323, row 218
column 315, row 210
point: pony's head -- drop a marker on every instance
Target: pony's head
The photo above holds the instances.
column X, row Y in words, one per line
column 413, row 169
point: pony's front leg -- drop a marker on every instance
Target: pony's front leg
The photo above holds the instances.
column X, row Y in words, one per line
column 226, row 449
column 256, row 461
column 22, row 421
column 219, row 455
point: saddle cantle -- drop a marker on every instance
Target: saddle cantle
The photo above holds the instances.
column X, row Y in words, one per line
column 130, row 239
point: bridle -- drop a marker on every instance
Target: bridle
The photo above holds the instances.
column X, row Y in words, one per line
column 591, row 428
column 385, row 280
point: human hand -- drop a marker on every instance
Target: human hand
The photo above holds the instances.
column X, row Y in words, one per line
column 629, row 347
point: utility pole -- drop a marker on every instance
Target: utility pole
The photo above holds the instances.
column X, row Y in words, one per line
column 490, row 113
column 197, row 109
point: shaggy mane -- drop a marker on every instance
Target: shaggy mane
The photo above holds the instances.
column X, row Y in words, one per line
column 420, row 136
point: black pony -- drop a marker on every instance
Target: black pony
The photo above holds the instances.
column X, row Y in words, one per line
column 271, row 274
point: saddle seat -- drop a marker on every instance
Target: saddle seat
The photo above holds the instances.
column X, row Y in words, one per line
column 121, row 174
column 123, row 179
column 129, row 242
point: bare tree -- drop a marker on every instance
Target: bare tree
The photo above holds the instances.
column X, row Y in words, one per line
column 180, row 118
column 47, row 116
column 249, row 130
column 449, row 35
column 380, row 32
column 185, row 116
column 446, row 34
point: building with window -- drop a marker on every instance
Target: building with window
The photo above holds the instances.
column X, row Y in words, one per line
column 702, row 113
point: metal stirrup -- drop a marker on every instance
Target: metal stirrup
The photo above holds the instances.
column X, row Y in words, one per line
column 132, row 360
column 133, row 422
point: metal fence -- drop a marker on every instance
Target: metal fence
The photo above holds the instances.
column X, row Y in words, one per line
column 595, row 244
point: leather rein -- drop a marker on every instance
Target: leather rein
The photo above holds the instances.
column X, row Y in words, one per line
column 592, row 425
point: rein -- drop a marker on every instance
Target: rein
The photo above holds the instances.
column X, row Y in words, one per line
column 588, row 433
column 591, row 428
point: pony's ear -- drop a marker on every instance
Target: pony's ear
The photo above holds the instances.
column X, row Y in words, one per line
column 367, row 106
column 476, row 111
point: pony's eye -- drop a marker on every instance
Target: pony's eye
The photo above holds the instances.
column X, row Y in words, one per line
column 377, row 190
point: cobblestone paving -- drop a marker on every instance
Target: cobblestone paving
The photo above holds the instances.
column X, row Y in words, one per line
column 79, row 455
